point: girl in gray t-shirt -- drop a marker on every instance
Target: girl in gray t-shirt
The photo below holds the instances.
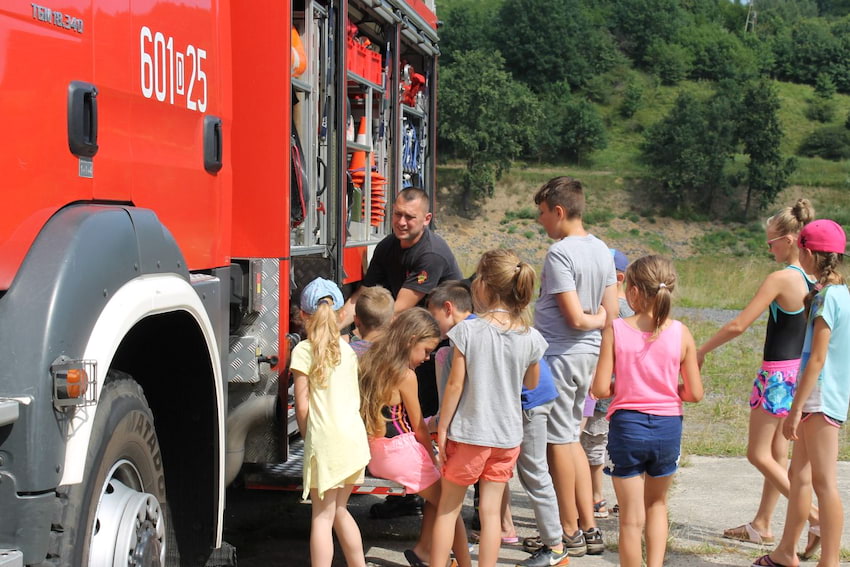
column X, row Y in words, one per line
column 480, row 428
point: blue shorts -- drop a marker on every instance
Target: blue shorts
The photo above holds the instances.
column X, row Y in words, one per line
column 642, row 443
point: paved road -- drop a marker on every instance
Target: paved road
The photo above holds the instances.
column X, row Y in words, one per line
column 709, row 494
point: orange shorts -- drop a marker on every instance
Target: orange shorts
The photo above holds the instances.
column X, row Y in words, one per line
column 467, row 464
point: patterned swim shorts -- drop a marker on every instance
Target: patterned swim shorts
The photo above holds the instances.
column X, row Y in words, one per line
column 774, row 386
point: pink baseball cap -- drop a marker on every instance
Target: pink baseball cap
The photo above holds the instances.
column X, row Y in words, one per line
column 823, row 235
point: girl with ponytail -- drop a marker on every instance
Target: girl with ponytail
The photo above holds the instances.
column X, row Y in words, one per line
column 648, row 352
column 327, row 407
column 480, row 428
column 820, row 405
column 781, row 293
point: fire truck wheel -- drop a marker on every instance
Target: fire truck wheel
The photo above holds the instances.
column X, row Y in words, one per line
column 117, row 515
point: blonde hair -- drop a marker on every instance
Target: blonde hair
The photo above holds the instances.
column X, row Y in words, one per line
column 374, row 308
column 323, row 331
column 791, row 220
column 654, row 277
column 502, row 277
column 385, row 364
column 827, row 266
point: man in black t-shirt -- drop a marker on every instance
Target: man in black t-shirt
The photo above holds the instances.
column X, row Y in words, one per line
column 410, row 262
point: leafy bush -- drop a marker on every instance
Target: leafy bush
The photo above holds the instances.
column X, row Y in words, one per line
column 569, row 128
column 718, row 54
column 740, row 241
column 829, row 142
column 670, row 62
column 527, row 213
column 820, row 110
column 824, row 86
column 631, row 101
column 597, row 216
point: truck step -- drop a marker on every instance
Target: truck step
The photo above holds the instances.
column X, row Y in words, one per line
column 11, row 558
column 287, row 475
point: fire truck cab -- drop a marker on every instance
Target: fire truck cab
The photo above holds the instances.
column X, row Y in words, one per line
column 175, row 172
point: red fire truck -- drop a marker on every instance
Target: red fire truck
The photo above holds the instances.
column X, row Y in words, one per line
column 175, row 171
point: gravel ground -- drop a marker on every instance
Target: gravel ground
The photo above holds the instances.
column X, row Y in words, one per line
column 709, row 495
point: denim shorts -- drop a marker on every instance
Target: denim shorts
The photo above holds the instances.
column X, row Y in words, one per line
column 642, row 443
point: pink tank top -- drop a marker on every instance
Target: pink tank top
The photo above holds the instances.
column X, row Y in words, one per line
column 647, row 371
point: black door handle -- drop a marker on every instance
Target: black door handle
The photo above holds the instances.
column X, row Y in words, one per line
column 212, row 143
column 82, row 119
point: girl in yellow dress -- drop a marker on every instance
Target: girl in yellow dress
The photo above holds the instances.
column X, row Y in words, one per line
column 327, row 407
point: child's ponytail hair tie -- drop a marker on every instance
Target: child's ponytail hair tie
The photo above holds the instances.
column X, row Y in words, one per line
column 662, row 285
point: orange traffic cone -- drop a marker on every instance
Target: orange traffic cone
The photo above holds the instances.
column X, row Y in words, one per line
column 299, row 55
column 357, row 166
column 361, row 132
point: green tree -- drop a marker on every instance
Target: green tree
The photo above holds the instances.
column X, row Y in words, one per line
column 760, row 131
column 570, row 128
column 631, row 100
column 552, row 41
column 485, row 122
column 637, row 24
column 582, row 131
column 807, row 50
column 670, row 62
column 828, row 142
column 467, row 25
column 717, row 53
column 687, row 151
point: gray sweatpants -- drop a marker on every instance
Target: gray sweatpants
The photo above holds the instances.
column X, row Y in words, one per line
column 533, row 471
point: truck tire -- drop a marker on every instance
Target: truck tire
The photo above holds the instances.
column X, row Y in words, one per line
column 117, row 515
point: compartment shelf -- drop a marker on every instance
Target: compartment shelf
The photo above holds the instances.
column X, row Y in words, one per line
column 355, row 146
column 412, row 111
column 360, row 80
column 301, row 86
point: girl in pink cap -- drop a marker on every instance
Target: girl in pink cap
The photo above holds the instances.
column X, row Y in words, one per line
column 820, row 404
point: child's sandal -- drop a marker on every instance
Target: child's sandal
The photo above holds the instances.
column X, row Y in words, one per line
column 600, row 509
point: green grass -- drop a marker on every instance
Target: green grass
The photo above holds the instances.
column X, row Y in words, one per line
column 719, row 281
column 740, row 240
column 717, row 426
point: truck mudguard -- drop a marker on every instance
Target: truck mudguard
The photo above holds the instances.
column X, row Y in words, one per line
column 91, row 274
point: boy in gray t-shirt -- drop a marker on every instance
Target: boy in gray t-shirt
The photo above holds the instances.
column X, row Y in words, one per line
column 578, row 297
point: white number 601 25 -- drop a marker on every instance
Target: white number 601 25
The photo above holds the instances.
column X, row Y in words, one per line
column 160, row 77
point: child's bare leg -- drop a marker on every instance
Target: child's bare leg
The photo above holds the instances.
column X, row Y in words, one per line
column 562, row 469
column 799, row 504
column 822, row 444
column 445, row 524
column 630, row 497
column 490, row 510
column 508, row 528
column 460, row 547
column 459, row 543
column 422, row 548
column 584, row 488
column 767, row 450
column 596, row 481
column 321, row 527
column 347, row 531
column 655, row 502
